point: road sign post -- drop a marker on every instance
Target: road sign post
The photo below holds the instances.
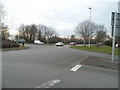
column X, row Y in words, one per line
column 114, row 32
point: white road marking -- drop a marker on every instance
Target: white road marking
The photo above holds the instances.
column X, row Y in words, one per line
column 74, row 69
column 49, row 84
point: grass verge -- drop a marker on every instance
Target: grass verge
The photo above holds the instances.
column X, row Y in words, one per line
column 18, row 48
column 101, row 49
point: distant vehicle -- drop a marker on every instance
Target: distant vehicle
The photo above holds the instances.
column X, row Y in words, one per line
column 21, row 40
column 38, row 42
column 116, row 45
column 59, row 44
column 100, row 43
column 72, row 43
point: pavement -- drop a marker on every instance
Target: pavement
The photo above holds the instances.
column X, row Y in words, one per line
column 100, row 62
column 49, row 66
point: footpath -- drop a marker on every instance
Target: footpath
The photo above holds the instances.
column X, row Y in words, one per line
column 101, row 62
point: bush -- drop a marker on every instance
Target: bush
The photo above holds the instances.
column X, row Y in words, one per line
column 8, row 44
column 108, row 43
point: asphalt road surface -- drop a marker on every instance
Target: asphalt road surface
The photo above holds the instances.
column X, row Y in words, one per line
column 43, row 66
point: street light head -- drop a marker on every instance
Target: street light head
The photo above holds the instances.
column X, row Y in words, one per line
column 89, row 8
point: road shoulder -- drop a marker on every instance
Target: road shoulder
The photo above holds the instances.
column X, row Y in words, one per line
column 100, row 62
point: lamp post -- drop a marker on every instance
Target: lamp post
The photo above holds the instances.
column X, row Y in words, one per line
column 90, row 12
column 12, row 24
column 114, row 32
column 90, row 20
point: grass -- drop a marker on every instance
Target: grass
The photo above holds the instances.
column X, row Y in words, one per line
column 17, row 48
column 101, row 49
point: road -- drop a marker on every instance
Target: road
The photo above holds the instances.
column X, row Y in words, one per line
column 49, row 66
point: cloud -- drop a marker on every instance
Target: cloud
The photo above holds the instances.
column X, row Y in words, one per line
column 64, row 15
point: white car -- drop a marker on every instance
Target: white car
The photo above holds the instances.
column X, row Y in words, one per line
column 38, row 42
column 116, row 45
column 59, row 44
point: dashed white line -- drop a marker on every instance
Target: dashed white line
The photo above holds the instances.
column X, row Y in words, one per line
column 49, row 84
column 74, row 69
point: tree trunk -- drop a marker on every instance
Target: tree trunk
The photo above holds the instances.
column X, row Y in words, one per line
column 30, row 38
column 84, row 42
column 97, row 44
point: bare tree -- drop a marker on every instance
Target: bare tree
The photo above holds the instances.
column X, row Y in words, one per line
column 21, row 31
column 2, row 13
column 5, row 32
column 85, row 29
column 46, row 32
column 72, row 38
column 39, row 35
column 50, row 31
column 27, row 27
column 42, row 32
column 28, row 32
column 101, row 34
column 32, row 31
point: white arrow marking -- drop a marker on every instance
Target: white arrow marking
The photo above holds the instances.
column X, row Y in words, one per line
column 49, row 84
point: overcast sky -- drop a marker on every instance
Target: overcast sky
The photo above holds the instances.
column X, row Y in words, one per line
column 63, row 15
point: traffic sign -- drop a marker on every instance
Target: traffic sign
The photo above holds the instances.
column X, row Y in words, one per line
column 117, row 33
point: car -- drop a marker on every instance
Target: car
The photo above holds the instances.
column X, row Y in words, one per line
column 116, row 45
column 72, row 43
column 38, row 42
column 59, row 44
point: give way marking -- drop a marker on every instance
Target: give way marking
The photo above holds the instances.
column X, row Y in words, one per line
column 74, row 69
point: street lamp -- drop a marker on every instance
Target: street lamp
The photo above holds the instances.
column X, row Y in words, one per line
column 12, row 24
column 90, row 12
column 90, row 20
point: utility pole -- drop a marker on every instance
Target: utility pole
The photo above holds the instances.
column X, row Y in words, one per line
column 90, row 20
column 12, row 24
column 0, row 11
column 114, row 32
column 0, row 45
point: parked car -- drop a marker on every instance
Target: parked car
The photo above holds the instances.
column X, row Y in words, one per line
column 59, row 44
column 21, row 40
column 72, row 43
column 116, row 45
column 38, row 42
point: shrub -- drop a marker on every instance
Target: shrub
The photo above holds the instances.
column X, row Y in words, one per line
column 8, row 44
column 108, row 43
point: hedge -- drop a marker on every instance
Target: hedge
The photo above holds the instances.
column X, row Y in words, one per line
column 8, row 44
